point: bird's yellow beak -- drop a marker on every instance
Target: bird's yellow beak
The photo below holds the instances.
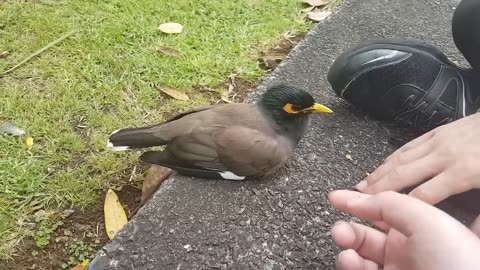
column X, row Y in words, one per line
column 318, row 108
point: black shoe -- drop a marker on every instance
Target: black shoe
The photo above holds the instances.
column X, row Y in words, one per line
column 407, row 81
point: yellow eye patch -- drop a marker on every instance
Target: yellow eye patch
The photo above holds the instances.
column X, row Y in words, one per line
column 290, row 108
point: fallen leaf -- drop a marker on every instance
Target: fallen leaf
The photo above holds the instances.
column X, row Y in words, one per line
column 308, row 9
column 171, row 28
column 168, row 51
column 318, row 15
column 81, row 266
column 317, row 3
column 271, row 61
column 174, row 93
column 225, row 97
column 155, row 176
column 115, row 217
column 29, row 143
column 8, row 128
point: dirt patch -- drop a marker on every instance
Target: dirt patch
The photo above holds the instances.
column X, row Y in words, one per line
column 237, row 88
column 270, row 59
column 82, row 234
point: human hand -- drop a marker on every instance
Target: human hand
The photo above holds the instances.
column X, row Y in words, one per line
column 446, row 158
column 419, row 237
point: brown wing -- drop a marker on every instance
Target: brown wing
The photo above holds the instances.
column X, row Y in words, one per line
column 247, row 151
column 240, row 150
column 195, row 110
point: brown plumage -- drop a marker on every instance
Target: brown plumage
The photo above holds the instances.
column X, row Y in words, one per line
column 230, row 141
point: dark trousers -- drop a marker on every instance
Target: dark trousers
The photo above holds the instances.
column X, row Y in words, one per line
column 466, row 31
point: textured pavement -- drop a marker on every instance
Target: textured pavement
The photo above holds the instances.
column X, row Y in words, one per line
column 285, row 222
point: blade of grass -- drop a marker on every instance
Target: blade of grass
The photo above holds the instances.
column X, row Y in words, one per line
column 51, row 44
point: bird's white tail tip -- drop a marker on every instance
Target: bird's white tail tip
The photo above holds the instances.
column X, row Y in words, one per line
column 117, row 148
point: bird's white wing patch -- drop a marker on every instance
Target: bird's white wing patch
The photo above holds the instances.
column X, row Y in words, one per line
column 231, row 176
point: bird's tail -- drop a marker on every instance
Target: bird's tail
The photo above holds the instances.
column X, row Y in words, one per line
column 131, row 138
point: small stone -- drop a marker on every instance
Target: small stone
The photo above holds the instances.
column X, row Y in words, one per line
column 171, row 231
column 188, row 248
column 280, row 204
column 67, row 212
column 287, row 215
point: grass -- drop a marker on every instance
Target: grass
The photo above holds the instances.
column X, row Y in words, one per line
column 103, row 78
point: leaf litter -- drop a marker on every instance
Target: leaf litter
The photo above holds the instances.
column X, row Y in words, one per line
column 171, row 28
column 168, row 51
column 317, row 3
column 317, row 10
column 172, row 92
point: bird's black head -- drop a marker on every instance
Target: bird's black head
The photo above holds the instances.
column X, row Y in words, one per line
column 290, row 102
column 289, row 107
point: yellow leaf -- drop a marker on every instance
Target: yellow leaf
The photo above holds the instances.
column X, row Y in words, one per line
column 171, row 28
column 81, row 266
column 115, row 217
column 173, row 92
column 29, row 142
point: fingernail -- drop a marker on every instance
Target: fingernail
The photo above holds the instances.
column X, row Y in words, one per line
column 362, row 185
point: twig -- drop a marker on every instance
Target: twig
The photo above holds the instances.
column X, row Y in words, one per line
column 133, row 174
column 51, row 44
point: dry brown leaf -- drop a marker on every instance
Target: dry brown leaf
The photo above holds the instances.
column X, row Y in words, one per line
column 174, row 93
column 155, row 176
column 318, row 15
column 171, row 28
column 317, row 3
column 169, row 51
column 308, row 9
column 271, row 61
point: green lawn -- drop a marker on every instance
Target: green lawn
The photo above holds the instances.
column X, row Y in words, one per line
column 103, row 78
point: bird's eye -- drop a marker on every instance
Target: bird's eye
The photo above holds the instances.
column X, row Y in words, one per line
column 296, row 108
column 291, row 108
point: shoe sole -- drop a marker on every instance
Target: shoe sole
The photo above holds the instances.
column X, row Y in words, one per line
column 406, row 45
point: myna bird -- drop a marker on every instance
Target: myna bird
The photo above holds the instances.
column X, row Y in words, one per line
column 230, row 141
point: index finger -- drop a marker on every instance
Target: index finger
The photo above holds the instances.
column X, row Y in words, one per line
column 406, row 214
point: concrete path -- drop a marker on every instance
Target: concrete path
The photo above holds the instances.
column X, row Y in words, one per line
column 282, row 223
